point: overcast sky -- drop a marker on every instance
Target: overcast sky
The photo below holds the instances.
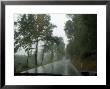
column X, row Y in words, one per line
column 59, row 20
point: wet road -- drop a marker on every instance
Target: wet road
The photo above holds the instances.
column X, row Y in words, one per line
column 63, row 67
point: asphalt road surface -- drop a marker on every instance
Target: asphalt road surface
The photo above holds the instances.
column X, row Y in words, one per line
column 63, row 67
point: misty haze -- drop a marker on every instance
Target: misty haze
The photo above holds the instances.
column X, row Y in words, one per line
column 55, row 44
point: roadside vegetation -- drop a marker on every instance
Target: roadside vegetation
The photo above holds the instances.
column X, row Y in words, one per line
column 81, row 31
column 32, row 31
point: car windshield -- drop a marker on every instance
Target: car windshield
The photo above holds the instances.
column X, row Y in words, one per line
column 55, row 44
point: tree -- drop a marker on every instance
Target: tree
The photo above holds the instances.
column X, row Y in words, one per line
column 22, row 34
column 57, row 46
column 60, row 48
column 46, row 45
column 81, row 31
column 31, row 29
column 54, row 45
column 69, row 29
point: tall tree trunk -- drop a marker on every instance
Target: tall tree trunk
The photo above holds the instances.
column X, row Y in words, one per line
column 57, row 54
column 52, row 56
column 43, row 52
column 27, row 61
column 27, row 58
column 42, row 56
column 36, row 53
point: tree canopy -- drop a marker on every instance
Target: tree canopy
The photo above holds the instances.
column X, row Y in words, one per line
column 30, row 29
column 81, row 31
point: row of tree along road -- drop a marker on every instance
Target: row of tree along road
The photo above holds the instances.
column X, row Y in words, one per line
column 30, row 30
column 81, row 31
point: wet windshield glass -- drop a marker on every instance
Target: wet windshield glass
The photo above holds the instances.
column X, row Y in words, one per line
column 55, row 44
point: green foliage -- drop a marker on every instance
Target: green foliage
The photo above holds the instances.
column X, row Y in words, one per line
column 29, row 30
column 55, row 45
column 81, row 31
column 69, row 29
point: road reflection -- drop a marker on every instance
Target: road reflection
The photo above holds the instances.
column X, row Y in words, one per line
column 63, row 67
